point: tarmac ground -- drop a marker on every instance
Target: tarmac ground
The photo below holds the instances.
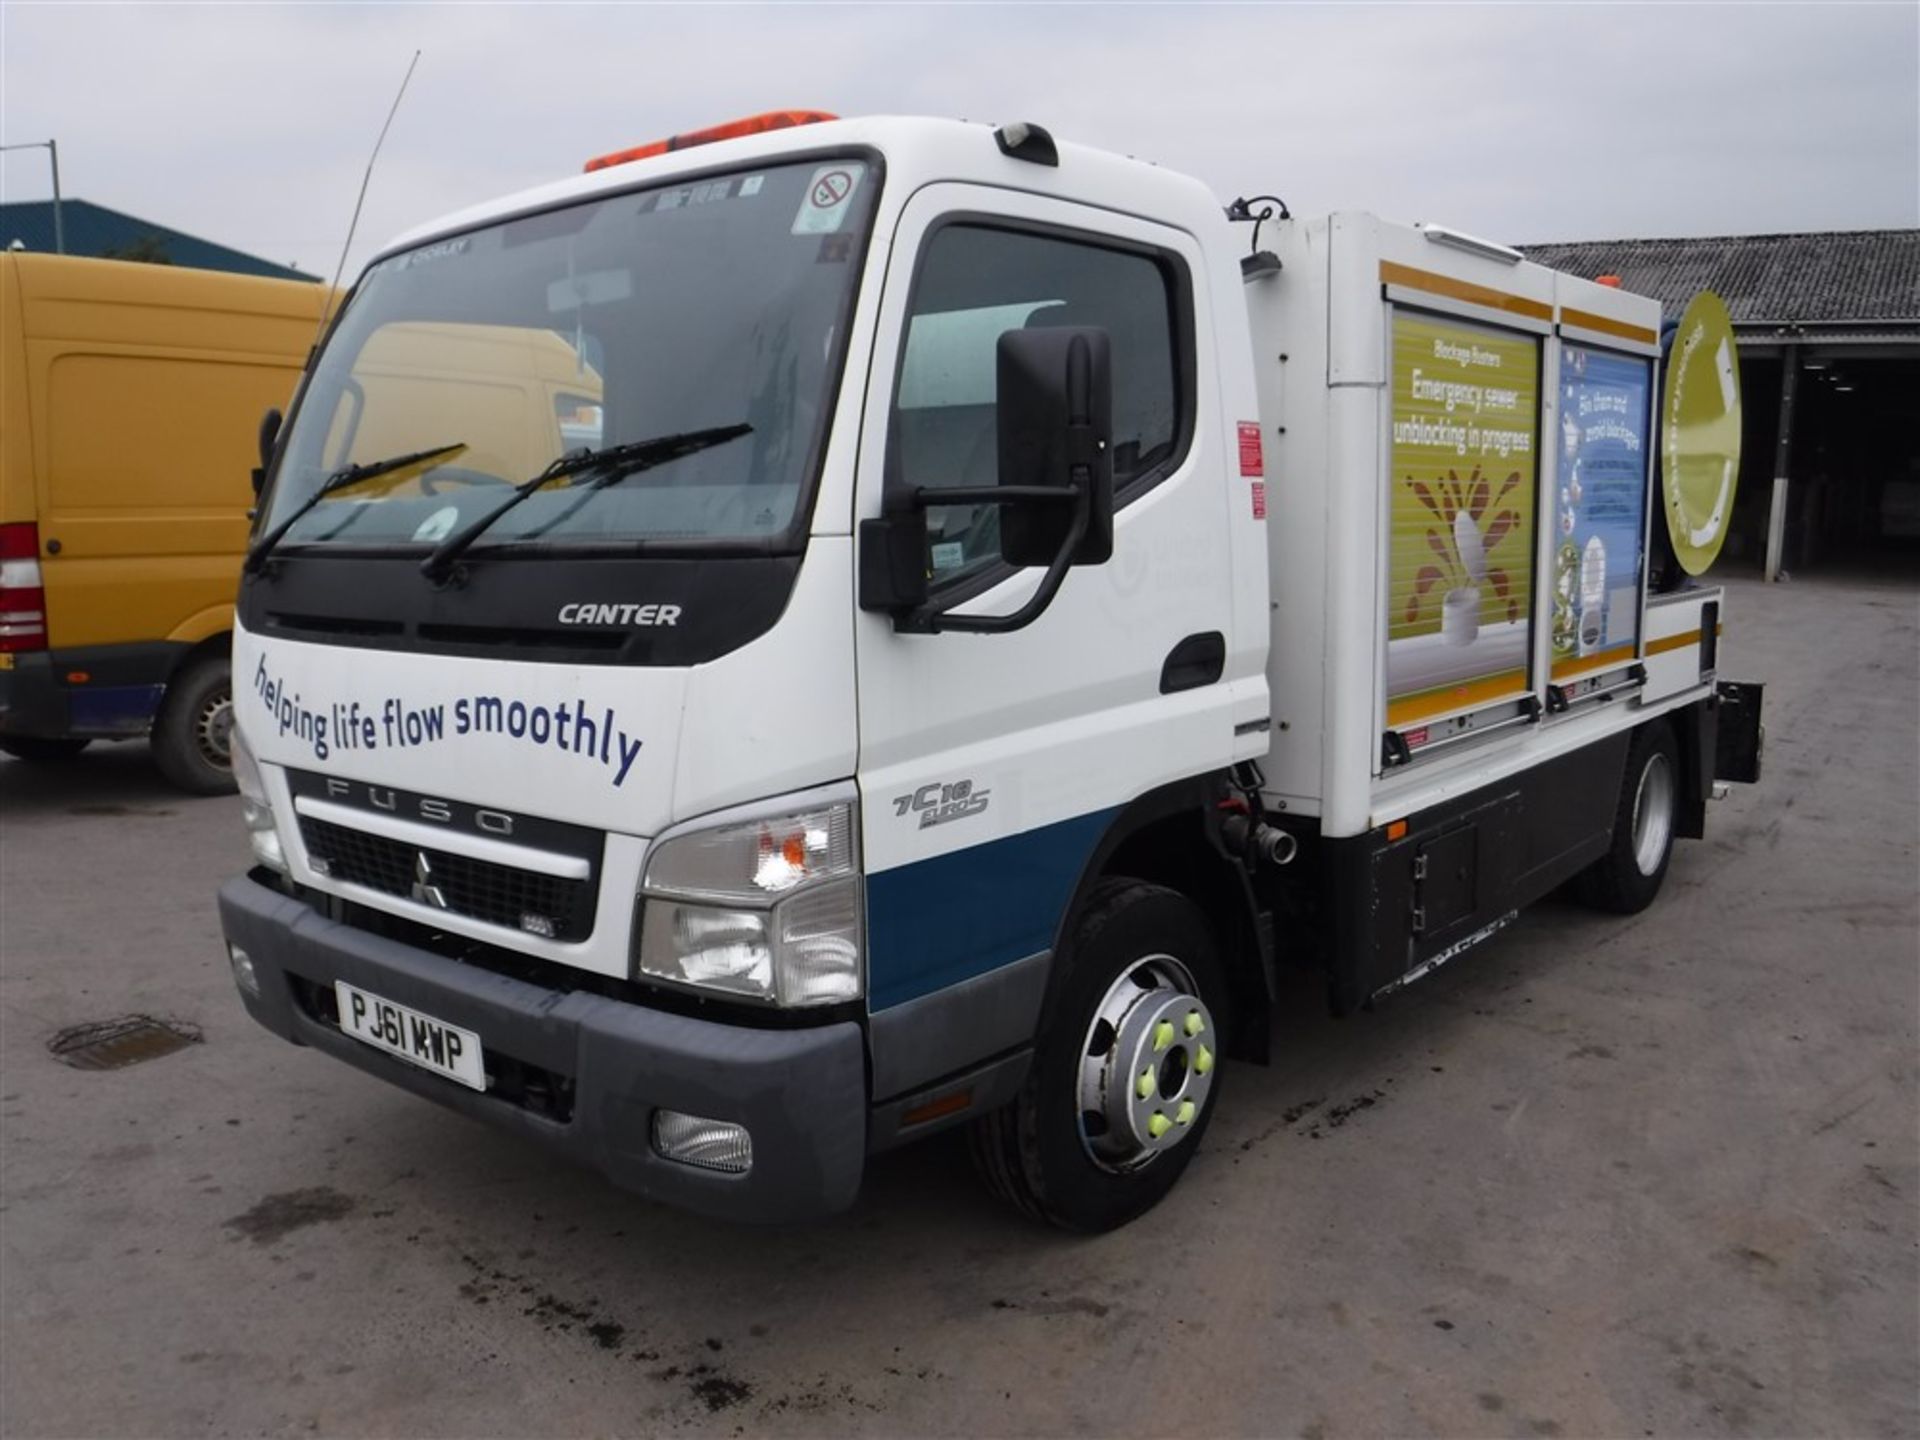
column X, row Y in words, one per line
column 1658, row 1176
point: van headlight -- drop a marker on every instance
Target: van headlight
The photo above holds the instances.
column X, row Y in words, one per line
column 256, row 811
column 769, row 908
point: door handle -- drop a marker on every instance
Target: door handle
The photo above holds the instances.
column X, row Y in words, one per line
column 1197, row 660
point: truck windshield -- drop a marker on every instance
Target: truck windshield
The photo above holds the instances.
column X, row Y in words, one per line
column 722, row 302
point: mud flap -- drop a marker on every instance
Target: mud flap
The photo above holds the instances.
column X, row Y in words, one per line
column 1741, row 736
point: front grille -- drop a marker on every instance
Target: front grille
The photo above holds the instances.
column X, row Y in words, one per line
column 503, row 895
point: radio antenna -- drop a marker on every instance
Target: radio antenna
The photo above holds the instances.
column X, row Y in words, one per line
column 365, row 180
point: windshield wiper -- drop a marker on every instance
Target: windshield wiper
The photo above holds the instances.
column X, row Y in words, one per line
column 614, row 463
column 339, row 480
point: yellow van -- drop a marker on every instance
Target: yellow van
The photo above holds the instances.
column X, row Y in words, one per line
column 516, row 397
column 131, row 398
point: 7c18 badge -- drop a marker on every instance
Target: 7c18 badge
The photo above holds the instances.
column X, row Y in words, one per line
column 938, row 803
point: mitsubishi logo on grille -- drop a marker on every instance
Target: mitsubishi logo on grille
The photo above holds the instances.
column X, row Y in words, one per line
column 424, row 888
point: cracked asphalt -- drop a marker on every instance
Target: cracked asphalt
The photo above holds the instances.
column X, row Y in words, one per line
column 1597, row 1177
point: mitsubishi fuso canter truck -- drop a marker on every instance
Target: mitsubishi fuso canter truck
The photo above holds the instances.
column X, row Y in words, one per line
column 976, row 610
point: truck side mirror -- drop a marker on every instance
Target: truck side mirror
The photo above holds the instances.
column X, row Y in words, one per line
column 269, row 436
column 1054, row 408
column 1054, row 413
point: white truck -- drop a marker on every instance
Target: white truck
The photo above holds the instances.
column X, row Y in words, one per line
column 984, row 610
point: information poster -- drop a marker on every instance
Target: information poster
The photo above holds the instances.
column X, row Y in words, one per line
column 1466, row 406
column 1600, row 517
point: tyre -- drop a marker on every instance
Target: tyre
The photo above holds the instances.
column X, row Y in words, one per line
column 1126, row 1071
column 193, row 734
column 38, row 751
column 1629, row 875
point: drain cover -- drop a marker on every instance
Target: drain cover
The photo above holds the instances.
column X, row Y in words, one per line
column 115, row 1044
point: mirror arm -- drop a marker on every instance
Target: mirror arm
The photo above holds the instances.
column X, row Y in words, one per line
column 1050, row 583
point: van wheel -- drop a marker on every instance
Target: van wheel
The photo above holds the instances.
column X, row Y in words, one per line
column 193, row 736
column 1629, row 875
column 1126, row 1071
column 36, row 750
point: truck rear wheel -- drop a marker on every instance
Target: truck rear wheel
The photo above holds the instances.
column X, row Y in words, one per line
column 1126, row 1073
column 193, row 734
column 1630, row 874
column 39, row 750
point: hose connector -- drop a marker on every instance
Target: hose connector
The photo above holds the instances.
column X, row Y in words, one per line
column 1246, row 836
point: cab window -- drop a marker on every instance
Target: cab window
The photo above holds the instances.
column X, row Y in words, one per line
column 976, row 282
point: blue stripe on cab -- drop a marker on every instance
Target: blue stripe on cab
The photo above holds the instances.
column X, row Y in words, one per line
column 937, row 922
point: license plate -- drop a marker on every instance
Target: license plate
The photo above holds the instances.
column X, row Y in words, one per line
column 418, row 1039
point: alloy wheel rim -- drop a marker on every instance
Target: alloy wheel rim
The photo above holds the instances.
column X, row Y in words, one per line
column 1652, row 814
column 1147, row 1065
column 213, row 734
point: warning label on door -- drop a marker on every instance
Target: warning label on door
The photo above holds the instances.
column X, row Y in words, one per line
column 1252, row 461
column 828, row 195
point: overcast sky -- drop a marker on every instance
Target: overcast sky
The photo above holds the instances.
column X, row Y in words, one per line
column 251, row 124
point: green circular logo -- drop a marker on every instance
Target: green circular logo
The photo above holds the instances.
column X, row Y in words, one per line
column 1700, row 433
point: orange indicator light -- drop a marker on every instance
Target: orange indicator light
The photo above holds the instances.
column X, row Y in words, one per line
column 934, row 1109
column 731, row 130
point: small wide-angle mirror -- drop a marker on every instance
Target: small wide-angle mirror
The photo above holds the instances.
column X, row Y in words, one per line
column 269, row 437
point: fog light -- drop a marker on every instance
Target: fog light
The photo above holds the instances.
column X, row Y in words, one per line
column 244, row 974
column 707, row 1144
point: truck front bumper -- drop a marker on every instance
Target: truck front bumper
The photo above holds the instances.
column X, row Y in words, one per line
column 578, row 1072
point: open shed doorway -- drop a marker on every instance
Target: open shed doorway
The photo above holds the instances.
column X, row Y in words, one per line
column 1853, row 498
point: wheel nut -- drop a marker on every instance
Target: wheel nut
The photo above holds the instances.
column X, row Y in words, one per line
column 1184, row 1115
column 1194, row 1023
column 1159, row 1124
column 1143, row 1087
column 1203, row 1062
column 1163, row 1035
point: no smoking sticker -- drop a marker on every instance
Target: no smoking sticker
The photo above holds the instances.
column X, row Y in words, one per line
column 828, row 195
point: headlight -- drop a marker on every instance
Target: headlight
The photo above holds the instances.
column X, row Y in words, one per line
column 256, row 811
column 768, row 908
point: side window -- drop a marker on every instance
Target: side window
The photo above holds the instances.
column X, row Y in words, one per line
column 976, row 283
column 581, row 419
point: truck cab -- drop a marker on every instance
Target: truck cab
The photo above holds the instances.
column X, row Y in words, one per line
column 846, row 724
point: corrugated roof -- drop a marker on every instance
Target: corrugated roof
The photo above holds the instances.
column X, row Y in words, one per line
column 1821, row 277
column 94, row 230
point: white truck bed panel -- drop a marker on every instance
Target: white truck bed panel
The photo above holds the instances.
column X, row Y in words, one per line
column 1324, row 340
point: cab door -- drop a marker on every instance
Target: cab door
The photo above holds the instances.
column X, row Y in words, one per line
column 991, row 765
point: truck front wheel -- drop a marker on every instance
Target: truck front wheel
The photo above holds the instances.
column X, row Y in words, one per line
column 1629, row 875
column 1126, row 1072
column 193, row 734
